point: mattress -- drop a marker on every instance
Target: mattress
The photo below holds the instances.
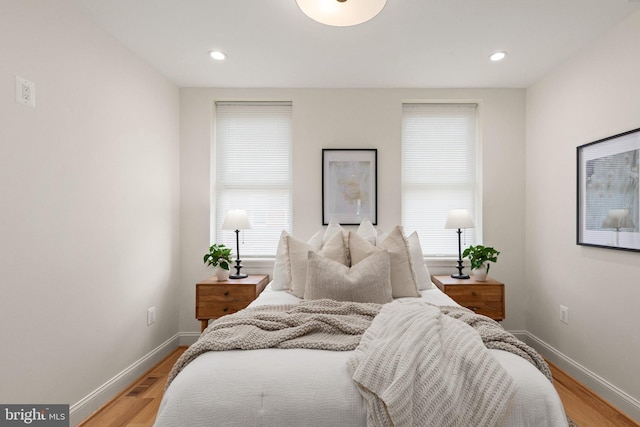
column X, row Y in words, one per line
column 300, row 387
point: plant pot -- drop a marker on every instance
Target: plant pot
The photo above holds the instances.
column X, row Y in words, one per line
column 480, row 274
column 222, row 274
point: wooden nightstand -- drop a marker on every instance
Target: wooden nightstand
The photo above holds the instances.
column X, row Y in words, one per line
column 215, row 299
column 485, row 298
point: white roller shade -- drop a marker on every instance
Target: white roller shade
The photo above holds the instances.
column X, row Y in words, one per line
column 253, row 172
column 439, row 172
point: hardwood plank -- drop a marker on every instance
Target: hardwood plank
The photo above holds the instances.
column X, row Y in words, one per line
column 585, row 407
column 147, row 416
column 119, row 413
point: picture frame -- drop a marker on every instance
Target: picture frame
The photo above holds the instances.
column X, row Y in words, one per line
column 349, row 185
column 608, row 193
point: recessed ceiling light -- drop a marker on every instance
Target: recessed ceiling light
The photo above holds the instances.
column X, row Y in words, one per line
column 216, row 54
column 498, row 56
column 341, row 13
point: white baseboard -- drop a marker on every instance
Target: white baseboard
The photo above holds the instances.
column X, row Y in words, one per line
column 188, row 338
column 607, row 391
column 81, row 410
column 521, row 335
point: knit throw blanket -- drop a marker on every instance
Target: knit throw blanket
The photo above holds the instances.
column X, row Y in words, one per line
column 318, row 324
column 495, row 337
column 416, row 366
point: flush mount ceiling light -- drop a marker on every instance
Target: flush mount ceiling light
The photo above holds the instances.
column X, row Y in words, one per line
column 341, row 13
column 498, row 56
column 216, row 54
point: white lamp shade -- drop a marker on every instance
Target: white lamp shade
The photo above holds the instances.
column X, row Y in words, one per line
column 341, row 13
column 458, row 218
column 236, row 219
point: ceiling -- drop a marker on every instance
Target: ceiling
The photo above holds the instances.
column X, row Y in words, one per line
column 411, row 43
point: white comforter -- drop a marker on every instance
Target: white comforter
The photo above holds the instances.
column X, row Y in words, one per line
column 299, row 387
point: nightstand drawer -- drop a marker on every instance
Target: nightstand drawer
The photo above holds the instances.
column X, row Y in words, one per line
column 475, row 293
column 484, row 299
column 220, row 300
column 491, row 309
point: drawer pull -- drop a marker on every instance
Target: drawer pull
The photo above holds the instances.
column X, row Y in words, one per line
column 226, row 293
column 474, row 293
column 225, row 309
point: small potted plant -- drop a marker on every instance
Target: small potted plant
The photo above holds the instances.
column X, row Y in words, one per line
column 480, row 257
column 219, row 257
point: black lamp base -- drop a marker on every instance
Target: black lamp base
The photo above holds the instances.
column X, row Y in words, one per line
column 238, row 265
column 459, row 275
column 237, row 274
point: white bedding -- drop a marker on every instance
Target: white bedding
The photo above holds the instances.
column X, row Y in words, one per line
column 299, row 387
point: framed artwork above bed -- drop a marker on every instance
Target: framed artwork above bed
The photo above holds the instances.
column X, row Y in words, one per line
column 608, row 192
column 349, row 185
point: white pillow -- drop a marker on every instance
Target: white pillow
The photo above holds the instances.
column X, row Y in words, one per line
column 367, row 231
column 423, row 277
column 317, row 240
column 333, row 228
column 403, row 276
column 281, row 277
column 367, row 281
column 380, row 236
column 335, row 249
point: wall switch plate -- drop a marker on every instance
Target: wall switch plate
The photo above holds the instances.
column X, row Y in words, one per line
column 151, row 316
column 25, row 92
column 564, row 314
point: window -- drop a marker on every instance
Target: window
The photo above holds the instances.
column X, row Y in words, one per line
column 439, row 172
column 252, row 164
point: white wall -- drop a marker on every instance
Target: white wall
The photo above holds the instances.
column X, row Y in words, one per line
column 359, row 118
column 594, row 95
column 89, row 206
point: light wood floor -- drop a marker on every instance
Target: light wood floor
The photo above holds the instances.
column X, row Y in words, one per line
column 583, row 406
column 138, row 404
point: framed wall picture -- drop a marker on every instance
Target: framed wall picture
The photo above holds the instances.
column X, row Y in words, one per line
column 349, row 185
column 608, row 192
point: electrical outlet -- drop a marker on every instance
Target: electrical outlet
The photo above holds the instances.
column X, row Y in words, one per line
column 25, row 92
column 564, row 314
column 151, row 316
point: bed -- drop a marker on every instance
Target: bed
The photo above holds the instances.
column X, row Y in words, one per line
column 308, row 386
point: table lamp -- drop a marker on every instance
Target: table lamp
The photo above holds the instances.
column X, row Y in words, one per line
column 236, row 219
column 459, row 218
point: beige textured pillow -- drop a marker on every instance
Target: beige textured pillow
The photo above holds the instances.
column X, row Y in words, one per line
column 403, row 276
column 334, row 249
column 359, row 247
column 367, row 281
